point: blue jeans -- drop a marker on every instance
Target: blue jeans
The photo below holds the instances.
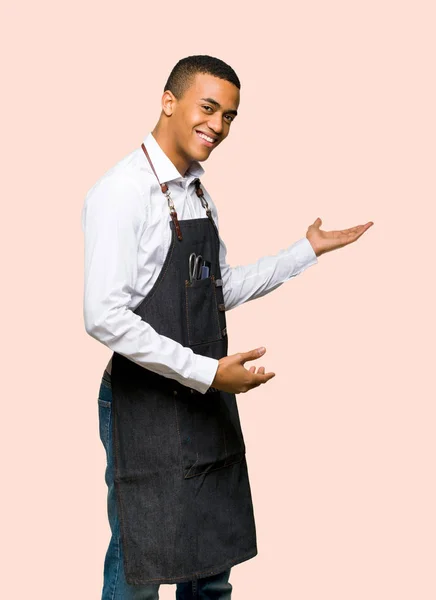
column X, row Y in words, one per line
column 115, row 587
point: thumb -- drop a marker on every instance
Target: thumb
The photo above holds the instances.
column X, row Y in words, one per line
column 317, row 222
column 252, row 354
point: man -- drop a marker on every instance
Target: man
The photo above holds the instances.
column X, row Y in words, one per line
column 157, row 286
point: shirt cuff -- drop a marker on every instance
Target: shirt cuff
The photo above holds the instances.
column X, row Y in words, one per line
column 202, row 374
column 304, row 253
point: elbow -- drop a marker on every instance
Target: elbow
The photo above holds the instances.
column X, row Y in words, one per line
column 94, row 324
column 107, row 323
column 91, row 328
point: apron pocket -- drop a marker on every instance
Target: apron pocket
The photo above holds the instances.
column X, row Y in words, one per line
column 210, row 432
column 202, row 318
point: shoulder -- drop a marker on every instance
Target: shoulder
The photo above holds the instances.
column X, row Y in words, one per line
column 127, row 185
column 129, row 171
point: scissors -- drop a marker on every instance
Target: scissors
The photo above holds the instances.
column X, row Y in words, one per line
column 195, row 263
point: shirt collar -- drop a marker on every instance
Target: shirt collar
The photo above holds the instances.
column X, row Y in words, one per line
column 165, row 169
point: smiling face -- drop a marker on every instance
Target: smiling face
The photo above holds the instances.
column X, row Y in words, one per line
column 200, row 120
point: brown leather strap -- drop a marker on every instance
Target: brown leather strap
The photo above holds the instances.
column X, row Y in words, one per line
column 204, row 202
column 198, row 190
column 163, row 186
column 164, row 189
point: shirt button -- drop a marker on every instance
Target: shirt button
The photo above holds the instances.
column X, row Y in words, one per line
column 175, row 392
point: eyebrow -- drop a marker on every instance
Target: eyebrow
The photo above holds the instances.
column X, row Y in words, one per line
column 218, row 105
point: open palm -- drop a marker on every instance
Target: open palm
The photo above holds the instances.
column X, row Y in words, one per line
column 325, row 241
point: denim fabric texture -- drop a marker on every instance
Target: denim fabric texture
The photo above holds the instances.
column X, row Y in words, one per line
column 180, row 471
column 115, row 586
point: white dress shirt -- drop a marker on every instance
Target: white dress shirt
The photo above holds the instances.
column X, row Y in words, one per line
column 125, row 220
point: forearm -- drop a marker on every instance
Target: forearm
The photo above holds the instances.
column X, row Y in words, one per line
column 126, row 333
column 244, row 283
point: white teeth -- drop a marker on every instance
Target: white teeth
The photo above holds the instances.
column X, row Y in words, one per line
column 206, row 137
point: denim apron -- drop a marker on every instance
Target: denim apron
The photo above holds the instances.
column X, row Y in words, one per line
column 181, row 479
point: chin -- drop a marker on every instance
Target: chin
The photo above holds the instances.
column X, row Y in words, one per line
column 201, row 154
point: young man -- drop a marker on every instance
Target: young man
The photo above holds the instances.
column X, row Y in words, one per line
column 157, row 286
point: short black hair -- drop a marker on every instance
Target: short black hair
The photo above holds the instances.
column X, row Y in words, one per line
column 185, row 70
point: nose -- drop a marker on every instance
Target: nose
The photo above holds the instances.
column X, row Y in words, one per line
column 215, row 123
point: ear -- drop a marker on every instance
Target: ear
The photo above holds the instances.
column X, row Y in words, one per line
column 168, row 102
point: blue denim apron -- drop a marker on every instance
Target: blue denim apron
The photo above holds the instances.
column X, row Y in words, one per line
column 181, row 479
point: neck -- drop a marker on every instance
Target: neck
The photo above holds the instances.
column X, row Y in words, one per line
column 166, row 142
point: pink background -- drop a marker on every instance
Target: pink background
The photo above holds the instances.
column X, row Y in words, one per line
column 337, row 120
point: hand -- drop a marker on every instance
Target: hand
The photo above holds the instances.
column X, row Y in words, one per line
column 324, row 241
column 233, row 377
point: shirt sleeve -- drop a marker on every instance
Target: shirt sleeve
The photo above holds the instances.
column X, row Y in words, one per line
column 244, row 283
column 113, row 220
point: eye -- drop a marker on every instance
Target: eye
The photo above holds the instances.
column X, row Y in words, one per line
column 231, row 117
column 205, row 106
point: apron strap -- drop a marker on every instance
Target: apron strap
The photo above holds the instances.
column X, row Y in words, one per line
column 167, row 193
column 165, row 190
column 204, row 203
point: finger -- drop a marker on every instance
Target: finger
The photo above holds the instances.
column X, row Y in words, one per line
column 351, row 230
column 251, row 354
column 346, row 236
column 260, row 378
column 259, row 370
column 354, row 234
column 359, row 229
column 367, row 226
